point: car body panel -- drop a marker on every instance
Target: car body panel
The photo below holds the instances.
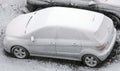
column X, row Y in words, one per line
column 110, row 2
column 102, row 54
column 43, row 41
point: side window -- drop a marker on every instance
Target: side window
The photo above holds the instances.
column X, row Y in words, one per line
column 61, row 1
column 68, row 33
column 102, row 1
column 46, row 32
column 80, row 2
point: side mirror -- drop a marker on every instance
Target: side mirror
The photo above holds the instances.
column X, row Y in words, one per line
column 32, row 38
column 92, row 3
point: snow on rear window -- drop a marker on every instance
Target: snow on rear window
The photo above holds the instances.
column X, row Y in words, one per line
column 104, row 28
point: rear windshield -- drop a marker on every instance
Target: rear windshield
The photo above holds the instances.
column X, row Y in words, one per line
column 105, row 29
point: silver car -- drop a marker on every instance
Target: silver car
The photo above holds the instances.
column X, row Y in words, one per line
column 111, row 8
column 60, row 32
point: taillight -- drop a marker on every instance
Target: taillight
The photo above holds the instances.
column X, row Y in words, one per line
column 101, row 47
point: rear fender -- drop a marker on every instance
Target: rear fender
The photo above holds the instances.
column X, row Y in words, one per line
column 88, row 51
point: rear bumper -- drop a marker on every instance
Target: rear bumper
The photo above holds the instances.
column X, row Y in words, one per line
column 103, row 55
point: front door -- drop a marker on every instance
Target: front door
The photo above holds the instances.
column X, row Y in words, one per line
column 43, row 41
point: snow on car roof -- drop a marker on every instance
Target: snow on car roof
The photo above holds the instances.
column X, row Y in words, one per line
column 66, row 17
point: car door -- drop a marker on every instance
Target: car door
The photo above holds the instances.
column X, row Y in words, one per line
column 80, row 3
column 113, row 2
column 68, row 43
column 42, row 41
column 61, row 2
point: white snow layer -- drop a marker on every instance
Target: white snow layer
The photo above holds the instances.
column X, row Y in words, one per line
column 9, row 9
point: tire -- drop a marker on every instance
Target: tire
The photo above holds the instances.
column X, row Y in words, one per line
column 20, row 52
column 90, row 60
column 31, row 7
column 116, row 21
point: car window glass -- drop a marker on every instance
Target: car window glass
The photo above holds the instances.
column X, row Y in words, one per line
column 110, row 2
column 61, row 1
column 38, row 21
column 102, row 1
column 45, row 0
column 80, row 2
column 69, row 33
column 46, row 32
column 113, row 2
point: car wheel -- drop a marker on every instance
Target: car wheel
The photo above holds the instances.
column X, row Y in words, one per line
column 90, row 60
column 116, row 21
column 31, row 7
column 20, row 52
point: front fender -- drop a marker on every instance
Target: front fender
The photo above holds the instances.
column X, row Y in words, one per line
column 9, row 42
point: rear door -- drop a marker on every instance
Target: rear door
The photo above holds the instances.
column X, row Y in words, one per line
column 61, row 2
column 81, row 3
column 68, row 43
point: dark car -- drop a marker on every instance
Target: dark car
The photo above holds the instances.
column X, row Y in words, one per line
column 108, row 7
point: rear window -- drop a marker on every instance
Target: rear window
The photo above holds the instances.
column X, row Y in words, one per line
column 105, row 29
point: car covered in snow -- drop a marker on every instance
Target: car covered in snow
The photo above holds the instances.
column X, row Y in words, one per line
column 61, row 32
column 111, row 8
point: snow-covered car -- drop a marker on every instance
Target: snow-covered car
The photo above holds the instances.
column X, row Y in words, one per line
column 80, row 35
column 111, row 8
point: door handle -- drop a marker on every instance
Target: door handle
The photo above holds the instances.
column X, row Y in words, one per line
column 32, row 38
column 53, row 43
column 92, row 3
column 74, row 44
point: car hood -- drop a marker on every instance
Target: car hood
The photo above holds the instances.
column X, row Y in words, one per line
column 17, row 26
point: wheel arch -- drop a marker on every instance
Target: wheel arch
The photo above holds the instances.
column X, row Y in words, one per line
column 88, row 52
column 11, row 50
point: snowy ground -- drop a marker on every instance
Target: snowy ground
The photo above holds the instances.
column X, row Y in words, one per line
column 9, row 9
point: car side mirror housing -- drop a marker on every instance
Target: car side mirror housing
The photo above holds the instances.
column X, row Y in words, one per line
column 32, row 38
column 92, row 3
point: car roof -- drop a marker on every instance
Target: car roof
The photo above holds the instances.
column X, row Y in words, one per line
column 66, row 17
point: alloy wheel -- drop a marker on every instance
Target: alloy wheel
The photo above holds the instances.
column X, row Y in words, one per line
column 20, row 52
column 91, row 60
